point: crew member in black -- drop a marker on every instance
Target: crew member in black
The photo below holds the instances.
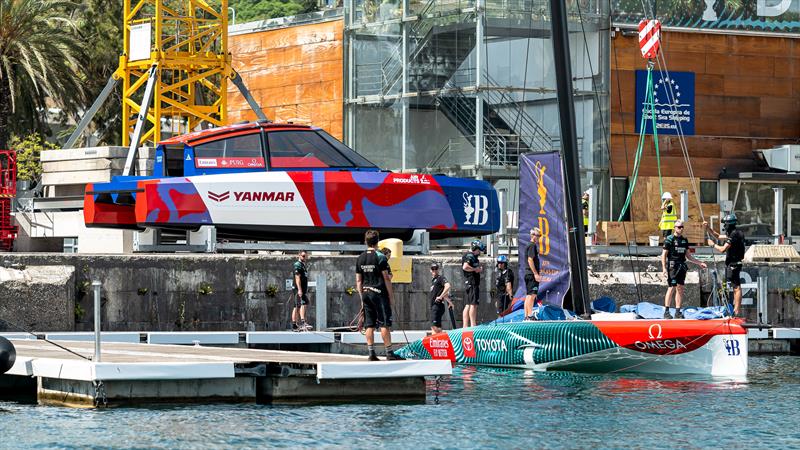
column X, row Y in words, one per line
column 300, row 288
column 472, row 280
column 439, row 294
column 673, row 263
column 387, row 252
column 532, row 273
column 375, row 288
column 505, row 284
column 733, row 248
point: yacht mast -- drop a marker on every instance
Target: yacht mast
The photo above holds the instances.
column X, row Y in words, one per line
column 579, row 285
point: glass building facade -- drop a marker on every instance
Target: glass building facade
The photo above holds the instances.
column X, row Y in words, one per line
column 463, row 87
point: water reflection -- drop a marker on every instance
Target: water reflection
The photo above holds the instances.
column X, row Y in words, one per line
column 474, row 408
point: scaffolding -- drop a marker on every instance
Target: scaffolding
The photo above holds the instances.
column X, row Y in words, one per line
column 463, row 87
column 186, row 42
column 176, row 59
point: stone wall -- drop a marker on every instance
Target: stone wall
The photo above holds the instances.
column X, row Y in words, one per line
column 39, row 298
column 230, row 292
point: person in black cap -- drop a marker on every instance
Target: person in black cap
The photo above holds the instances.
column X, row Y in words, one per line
column 374, row 285
column 533, row 274
column 438, row 296
column 472, row 279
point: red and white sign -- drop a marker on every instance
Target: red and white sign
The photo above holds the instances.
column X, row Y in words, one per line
column 468, row 344
column 224, row 163
column 649, row 38
column 439, row 347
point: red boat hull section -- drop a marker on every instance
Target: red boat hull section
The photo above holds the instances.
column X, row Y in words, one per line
column 101, row 214
column 662, row 337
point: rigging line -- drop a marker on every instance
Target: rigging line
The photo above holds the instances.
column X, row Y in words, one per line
column 607, row 138
column 525, row 75
column 44, row 339
column 670, row 101
column 627, row 170
column 681, row 139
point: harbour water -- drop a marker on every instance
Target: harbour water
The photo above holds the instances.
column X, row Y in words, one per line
column 475, row 408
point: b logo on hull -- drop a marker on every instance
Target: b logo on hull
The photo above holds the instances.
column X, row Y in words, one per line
column 732, row 347
column 476, row 209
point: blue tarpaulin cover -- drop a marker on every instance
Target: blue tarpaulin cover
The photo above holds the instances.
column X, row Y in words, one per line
column 652, row 311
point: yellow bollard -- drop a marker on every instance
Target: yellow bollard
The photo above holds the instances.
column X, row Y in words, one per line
column 401, row 265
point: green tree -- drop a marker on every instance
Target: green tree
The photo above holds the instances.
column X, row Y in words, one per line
column 39, row 47
column 249, row 10
column 29, row 150
column 99, row 23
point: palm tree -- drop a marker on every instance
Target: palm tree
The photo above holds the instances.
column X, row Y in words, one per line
column 38, row 52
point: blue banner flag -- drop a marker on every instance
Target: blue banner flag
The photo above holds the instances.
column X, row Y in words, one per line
column 541, row 204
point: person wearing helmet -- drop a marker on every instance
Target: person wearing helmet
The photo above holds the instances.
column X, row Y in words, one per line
column 438, row 296
column 668, row 215
column 734, row 254
column 532, row 273
column 585, row 209
column 472, row 280
column 505, row 284
column 673, row 263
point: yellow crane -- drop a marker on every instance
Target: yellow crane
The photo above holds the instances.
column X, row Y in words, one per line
column 174, row 71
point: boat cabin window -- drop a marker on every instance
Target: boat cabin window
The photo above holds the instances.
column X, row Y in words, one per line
column 173, row 160
column 233, row 152
column 304, row 149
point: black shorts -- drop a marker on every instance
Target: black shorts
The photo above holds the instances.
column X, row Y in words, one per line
column 473, row 295
column 733, row 274
column 665, row 233
column 677, row 274
column 437, row 312
column 531, row 285
column 300, row 300
column 377, row 310
column 503, row 301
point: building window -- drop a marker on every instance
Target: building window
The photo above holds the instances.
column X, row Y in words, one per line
column 619, row 192
column 71, row 245
column 302, row 150
column 709, row 191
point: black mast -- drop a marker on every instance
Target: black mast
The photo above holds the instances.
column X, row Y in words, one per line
column 579, row 285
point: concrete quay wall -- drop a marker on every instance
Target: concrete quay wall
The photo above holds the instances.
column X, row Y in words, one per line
column 247, row 292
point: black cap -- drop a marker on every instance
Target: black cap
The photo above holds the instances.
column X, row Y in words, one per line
column 434, row 265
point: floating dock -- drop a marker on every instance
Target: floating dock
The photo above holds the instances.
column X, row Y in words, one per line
column 135, row 373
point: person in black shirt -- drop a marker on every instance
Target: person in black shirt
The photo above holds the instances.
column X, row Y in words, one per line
column 673, row 263
column 439, row 294
column 300, row 288
column 505, row 284
column 733, row 248
column 374, row 285
column 532, row 274
column 472, row 269
column 387, row 252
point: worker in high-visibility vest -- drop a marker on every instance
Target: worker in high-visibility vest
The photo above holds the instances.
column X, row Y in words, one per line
column 585, row 209
column 668, row 215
